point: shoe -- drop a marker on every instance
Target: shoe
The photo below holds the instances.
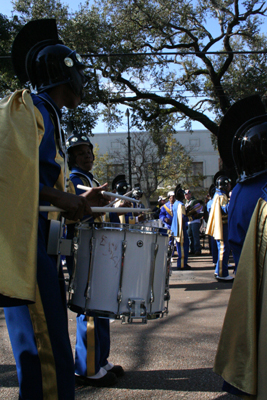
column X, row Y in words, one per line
column 117, row 370
column 107, row 380
column 198, row 253
column 224, row 278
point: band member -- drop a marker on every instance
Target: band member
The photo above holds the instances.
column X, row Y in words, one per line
column 39, row 331
column 218, row 225
column 179, row 229
column 166, row 213
column 212, row 242
column 242, row 139
column 194, row 212
column 93, row 335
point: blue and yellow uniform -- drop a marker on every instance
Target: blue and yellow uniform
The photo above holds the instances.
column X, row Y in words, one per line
column 242, row 204
column 93, row 334
column 179, row 230
column 39, row 332
column 218, row 228
column 213, row 244
column 166, row 213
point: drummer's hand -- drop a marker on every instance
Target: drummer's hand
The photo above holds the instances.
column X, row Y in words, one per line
column 95, row 197
column 76, row 206
column 141, row 217
column 127, row 204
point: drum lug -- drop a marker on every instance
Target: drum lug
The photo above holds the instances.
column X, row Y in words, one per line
column 155, row 248
column 119, row 295
column 75, row 247
column 137, row 310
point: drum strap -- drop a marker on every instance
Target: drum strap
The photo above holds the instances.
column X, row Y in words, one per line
column 88, row 181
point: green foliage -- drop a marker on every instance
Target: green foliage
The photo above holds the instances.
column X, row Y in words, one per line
column 8, row 30
column 101, row 169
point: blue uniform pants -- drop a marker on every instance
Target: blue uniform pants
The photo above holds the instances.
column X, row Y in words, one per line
column 182, row 250
column 194, row 238
column 214, row 250
column 223, row 254
column 92, row 344
column 39, row 334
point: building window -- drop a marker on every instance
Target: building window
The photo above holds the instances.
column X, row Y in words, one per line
column 194, row 143
column 197, row 168
column 195, row 172
column 115, row 145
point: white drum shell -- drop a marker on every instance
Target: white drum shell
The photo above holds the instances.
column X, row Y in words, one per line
column 143, row 274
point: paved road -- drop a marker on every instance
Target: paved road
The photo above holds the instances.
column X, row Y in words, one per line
column 169, row 358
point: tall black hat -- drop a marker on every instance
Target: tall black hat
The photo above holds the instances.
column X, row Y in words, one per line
column 40, row 57
column 239, row 113
column 179, row 192
column 34, row 36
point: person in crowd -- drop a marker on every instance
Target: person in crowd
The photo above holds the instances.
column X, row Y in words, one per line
column 212, row 242
column 39, row 331
column 218, row 225
column 242, row 138
column 120, row 186
column 166, row 213
column 91, row 361
column 156, row 210
column 193, row 209
column 137, row 194
column 179, row 229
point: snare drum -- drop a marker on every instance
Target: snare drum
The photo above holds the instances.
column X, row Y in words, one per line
column 119, row 271
column 156, row 223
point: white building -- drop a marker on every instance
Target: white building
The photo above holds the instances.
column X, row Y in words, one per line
column 198, row 144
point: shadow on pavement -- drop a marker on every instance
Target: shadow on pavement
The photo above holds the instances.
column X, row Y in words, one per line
column 195, row 380
column 202, row 286
column 8, row 376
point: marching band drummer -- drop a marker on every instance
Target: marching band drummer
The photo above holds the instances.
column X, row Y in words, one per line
column 39, row 330
column 93, row 335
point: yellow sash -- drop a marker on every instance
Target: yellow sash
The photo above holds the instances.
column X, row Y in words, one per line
column 168, row 210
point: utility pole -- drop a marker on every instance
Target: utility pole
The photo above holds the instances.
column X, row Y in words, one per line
column 129, row 148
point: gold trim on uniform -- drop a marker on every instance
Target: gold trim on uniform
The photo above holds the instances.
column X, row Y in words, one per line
column 44, row 347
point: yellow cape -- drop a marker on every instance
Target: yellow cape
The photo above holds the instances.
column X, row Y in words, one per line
column 180, row 234
column 242, row 352
column 214, row 225
column 21, row 123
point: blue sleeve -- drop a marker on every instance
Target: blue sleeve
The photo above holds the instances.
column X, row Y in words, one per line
column 162, row 214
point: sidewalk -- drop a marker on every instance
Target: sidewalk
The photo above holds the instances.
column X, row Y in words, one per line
column 169, row 358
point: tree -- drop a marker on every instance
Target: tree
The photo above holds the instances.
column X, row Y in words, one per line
column 137, row 56
column 8, row 30
column 170, row 88
column 101, row 169
column 153, row 169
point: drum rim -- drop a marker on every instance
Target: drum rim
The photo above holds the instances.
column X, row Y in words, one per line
column 144, row 229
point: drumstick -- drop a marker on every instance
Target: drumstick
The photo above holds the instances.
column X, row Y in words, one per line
column 116, row 195
column 120, row 210
column 115, row 201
